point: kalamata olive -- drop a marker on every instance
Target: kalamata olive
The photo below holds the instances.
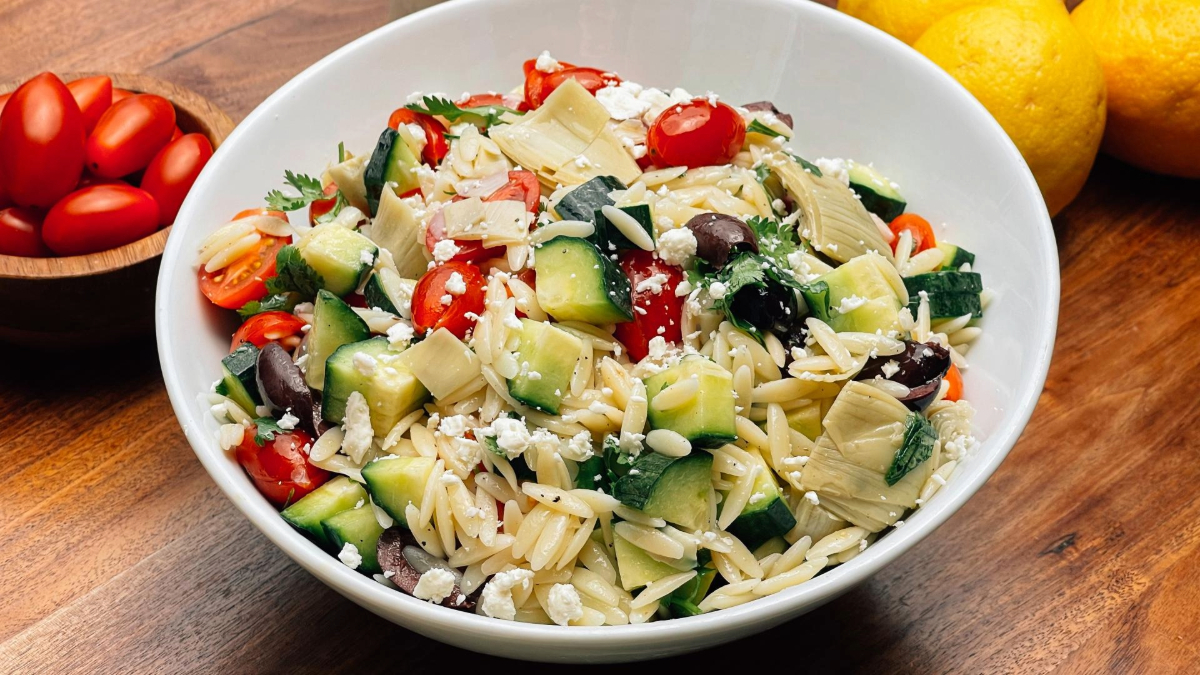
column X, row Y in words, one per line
column 768, row 307
column 767, row 106
column 719, row 237
column 401, row 554
column 283, row 388
column 920, row 367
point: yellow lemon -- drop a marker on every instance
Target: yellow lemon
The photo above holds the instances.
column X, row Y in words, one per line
column 909, row 19
column 1038, row 77
column 1150, row 52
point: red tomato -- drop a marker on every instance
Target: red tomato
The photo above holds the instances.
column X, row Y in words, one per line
column 245, row 278
column 436, row 146
column 175, row 135
column 120, row 95
column 954, row 377
column 522, row 185
column 263, row 329
column 88, row 179
column 262, row 211
column 918, row 227
column 99, row 218
column 129, row 134
column 279, row 467
column 492, row 98
column 663, row 311
column 429, row 313
column 539, row 85
column 94, row 95
column 4, row 100
column 172, row 172
column 21, row 233
column 41, row 142
column 320, row 207
column 697, row 133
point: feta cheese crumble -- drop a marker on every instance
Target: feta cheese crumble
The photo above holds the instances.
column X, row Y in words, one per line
column 350, row 556
column 435, row 585
column 563, row 604
column 456, row 285
column 676, row 247
column 496, row 600
column 546, row 63
column 653, row 283
column 288, row 421
column 444, row 250
column 717, row 290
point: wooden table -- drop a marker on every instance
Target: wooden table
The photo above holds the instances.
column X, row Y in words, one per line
column 119, row 554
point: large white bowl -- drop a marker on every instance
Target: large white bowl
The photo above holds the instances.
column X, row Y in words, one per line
column 854, row 92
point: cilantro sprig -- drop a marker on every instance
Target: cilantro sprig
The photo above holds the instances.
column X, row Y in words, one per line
column 293, row 274
column 775, row 240
column 265, row 429
column 310, row 190
column 756, row 127
column 480, row 116
column 281, row 302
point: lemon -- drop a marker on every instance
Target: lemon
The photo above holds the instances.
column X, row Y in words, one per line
column 909, row 19
column 1039, row 78
column 1150, row 52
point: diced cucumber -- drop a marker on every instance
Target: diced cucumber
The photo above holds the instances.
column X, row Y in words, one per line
column 878, row 194
column 334, row 324
column 332, row 498
column 547, row 356
column 358, row 527
column 766, row 515
column 609, row 238
column 390, row 292
column 951, row 294
column 340, row 255
column 683, row 601
column 390, row 389
column 239, row 377
column 392, row 165
column 578, row 283
column 954, row 257
column 636, row 567
column 949, row 305
column 583, row 202
column 859, row 287
column 396, row 482
column 674, row 489
column 592, row 474
column 708, row 420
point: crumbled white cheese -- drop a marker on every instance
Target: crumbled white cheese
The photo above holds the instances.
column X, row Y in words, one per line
column 456, row 285
column 454, row 425
column 563, row 604
column 812, row 498
column 578, row 448
column 657, row 347
column 350, row 556
column 850, row 303
column 444, row 250
column 622, row 102
column 890, row 368
column 717, row 290
column 365, row 363
column 653, row 283
column 435, row 585
column 683, row 288
column 676, row 247
column 835, row 167
column 512, row 436
column 447, row 299
column 546, row 63
column 631, row 443
column 496, row 599
column 288, row 421
column 357, row 426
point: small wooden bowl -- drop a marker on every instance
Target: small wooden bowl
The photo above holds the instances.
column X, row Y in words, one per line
column 105, row 296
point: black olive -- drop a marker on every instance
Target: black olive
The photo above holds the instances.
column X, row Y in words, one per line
column 768, row 307
column 921, row 368
column 770, row 107
column 283, row 387
column 719, row 237
column 399, row 552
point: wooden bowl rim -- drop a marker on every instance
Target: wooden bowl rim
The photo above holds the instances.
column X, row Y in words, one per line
column 215, row 124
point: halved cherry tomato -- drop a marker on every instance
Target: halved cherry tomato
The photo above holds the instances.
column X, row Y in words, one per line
column 279, row 467
column 697, row 133
column 428, row 310
column 98, row 218
column 662, row 311
column 918, row 227
column 129, row 134
column 263, row 329
column 492, row 98
column 522, row 185
column 539, row 85
column 41, row 142
column 21, row 233
column 954, row 378
column 94, row 96
column 436, row 146
column 320, row 207
column 261, row 211
column 172, row 172
column 244, row 279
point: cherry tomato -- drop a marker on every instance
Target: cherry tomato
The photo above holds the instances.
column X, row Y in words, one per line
column 663, row 311
column 21, row 233
column 172, row 172
column 492, row 98
column 129, row 134
column 244, row 279
column 954, row 378
column 522, row 185
column 175, row 135
column 88, row 179
column 263, row 329
column 94, row 95
column 41, row 142
column 120, row 95
column 320, row 207
column 279, row 467
column 428, row 311
column 436, row 146
column 918, row 227
column 539, row 85
column 4, row 100
column 98, row 218
column 261, row 211
column 697, row 133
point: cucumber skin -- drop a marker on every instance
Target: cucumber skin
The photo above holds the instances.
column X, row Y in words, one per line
column 634, row 489
column 367, row 542
column 239, row 381
column 618, row 293
column 949, row 305
column 583, row 202
column 295, row 514
column 755, row 527
column 376, row 295
column 947, row 281
column 884, row 207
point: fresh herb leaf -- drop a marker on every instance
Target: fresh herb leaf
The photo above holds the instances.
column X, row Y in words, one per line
column 293, row 274
column 280, row 302
column 775, row 240
column 341, row 152
column 816, row 296
column 756, row 127
column 482, row 116
column 332, row 214
column 449, row 136
column 917, row 447
column 265, row 430
column 808, row 166
column 310, row 190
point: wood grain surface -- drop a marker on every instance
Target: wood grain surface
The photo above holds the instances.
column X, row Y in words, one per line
column 119, row 555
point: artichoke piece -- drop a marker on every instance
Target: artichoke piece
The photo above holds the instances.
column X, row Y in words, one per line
column 348, row 176
column 866, row 425
column 397, row 229
column 815, row 521
column 837, row 223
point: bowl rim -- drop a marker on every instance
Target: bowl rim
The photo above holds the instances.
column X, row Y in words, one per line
column 206, row 116
column 763, row 611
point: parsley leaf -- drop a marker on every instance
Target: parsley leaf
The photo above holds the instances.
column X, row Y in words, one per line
column 294, row 274
column 310, row 190
column 808, row 166
column 281, row 302
column 265, row 430
column 482, row 116
column 756, row 127
column 775, row 240
column 919, row 438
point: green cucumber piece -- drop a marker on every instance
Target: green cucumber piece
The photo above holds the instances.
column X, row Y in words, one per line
column 949, row 305
column 674, row 489
column 239, row 380
column 709, row 420
column 547, row 356
column 583, row 202
column 578, row 283
column 948, row 281
column 329, row 499
column 392, row 165
column 342, row 256
column 860, row 280
column 391, row 390
column 592, row 474
column 358, row 527
column 334, row 324
column 608, row 237
column 767, row 514
column 878, row 194
column 396, row 482
column 390, row 292
column 636, row 567
column 954, row 257
column 683, row 601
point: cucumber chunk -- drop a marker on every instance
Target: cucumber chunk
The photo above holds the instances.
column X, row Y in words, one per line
column 332, row 498
column 708, row 421
column 675, row 490
column 392, row 165
column 954, row 257
column 239, row 377
column 396, row 482
column 609, row 238
column 767, row 514
column 951, row 294
column 878, row 194
column 578, row 283
column 683, row 601
column 547, row 356
column 860, row 288
column 585, row 201
column 358, row 527
column 636, row 567
column 340, row 255
column 390, row 292
column 390, row 389
column 334, row 324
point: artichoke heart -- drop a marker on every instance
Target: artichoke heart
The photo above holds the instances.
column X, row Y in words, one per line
column 348, row 176
column 398, row 229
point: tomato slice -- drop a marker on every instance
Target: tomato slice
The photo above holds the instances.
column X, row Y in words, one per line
column 279, row 467
column 696, row 133
column 492, row 98
column 954, row 377
column 429, row 312
column 244, row 279
column 263, row 329
column 539, row 85
column 436, row 146
column 522, row 185
column 655, row 314
column 320, row 207
column 918, row 227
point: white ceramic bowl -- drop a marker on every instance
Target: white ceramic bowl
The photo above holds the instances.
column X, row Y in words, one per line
column 854, row 92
